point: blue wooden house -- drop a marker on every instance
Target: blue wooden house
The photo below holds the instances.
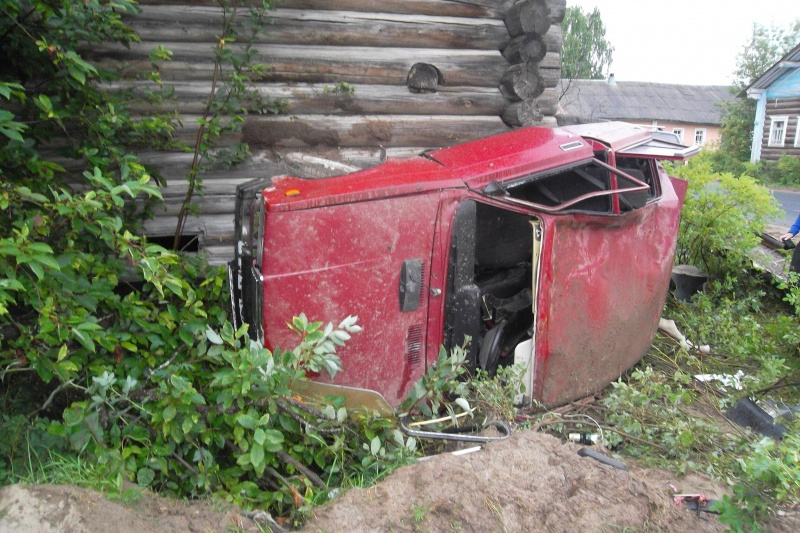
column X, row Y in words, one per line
column 776, row 129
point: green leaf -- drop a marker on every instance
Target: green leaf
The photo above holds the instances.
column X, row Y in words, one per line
column 43, row 102
column 213, row 337
column 85, row 340
column 169, row 413
column 77, row 74
column 375, row 446
column 246, row 421
column 11, row 134
column 145, row 476
column 37, row 269
column 257, row 458
column 273, row 441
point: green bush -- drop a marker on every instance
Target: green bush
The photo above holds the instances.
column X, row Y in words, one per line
column 785, row 172
column 719, row 218
column 115, row 350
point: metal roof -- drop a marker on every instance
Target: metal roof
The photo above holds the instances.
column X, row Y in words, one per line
column 788, row 62
column 632, row 101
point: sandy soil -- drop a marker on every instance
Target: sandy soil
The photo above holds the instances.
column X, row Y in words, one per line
column 528, row 483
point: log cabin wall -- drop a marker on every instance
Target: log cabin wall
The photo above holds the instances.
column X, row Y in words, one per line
column 425, row 74
column 789, row 108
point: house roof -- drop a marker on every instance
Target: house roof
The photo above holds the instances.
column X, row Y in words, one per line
column 788, row 62
column 632, row 101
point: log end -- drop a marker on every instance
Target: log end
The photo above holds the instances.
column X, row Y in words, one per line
column 424, row 78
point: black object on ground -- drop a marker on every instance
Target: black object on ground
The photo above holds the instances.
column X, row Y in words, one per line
column 688, row 280
column 597, row 456
column 773, row 242
column 746, row 413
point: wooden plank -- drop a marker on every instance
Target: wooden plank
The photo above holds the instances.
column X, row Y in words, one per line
column 206, row 204
column 452, row 8
column 218, row 254
column 307, row 166
column 321, row 64
column 327, row 28
column 215, row 229
column 554, row 38
column 550, row 76
column 558, row 9
column 547, row 102
column 364, row 131
column 322, row 99
column 522, row 113
column 783, row 106
column 362, row 157
column 174, row 166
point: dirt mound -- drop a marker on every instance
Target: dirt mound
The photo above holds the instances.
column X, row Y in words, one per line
column 68, row 509
column 531, row 482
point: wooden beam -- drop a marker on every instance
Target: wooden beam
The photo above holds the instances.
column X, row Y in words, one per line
column 308, row 166
column 320, row 64
column 174, row 166
column 362, row 157
column 364, row 131
column 524, row 113
column 215, row 229
column 323, row 99
column 554, row 38
column 527, row 48
column 531, row 111
column 547, row 102
column 451, row 8
column 522, row 82
column 327, row 28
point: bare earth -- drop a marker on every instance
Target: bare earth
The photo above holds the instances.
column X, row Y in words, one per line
column 531, row 482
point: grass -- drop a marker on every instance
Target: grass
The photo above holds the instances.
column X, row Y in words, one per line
column 51, row 467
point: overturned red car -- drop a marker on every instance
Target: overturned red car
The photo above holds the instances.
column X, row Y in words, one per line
column 550, row 248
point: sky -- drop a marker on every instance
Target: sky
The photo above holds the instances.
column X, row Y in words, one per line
column 693, row 42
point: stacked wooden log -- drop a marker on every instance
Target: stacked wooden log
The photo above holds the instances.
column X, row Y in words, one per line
column 531, row 71
column 418, row 74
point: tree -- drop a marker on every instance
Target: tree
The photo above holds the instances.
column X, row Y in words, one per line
column 765, row 47
column 586, row 54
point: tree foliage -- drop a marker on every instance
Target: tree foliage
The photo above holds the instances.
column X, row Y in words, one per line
column 586, row 54
column 765, row 47
column 119, row 351
column 718, row 218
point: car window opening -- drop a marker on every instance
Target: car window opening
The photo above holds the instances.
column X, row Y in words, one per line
column 590, row 187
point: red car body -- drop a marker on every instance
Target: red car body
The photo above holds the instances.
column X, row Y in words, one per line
column 549, row 247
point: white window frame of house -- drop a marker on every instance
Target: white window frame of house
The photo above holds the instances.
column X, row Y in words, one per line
column 797, row 133
column 679, row 133
column 777, row 130
column 699, row 136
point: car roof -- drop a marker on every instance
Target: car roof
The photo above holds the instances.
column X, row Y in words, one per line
column 475, row 164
